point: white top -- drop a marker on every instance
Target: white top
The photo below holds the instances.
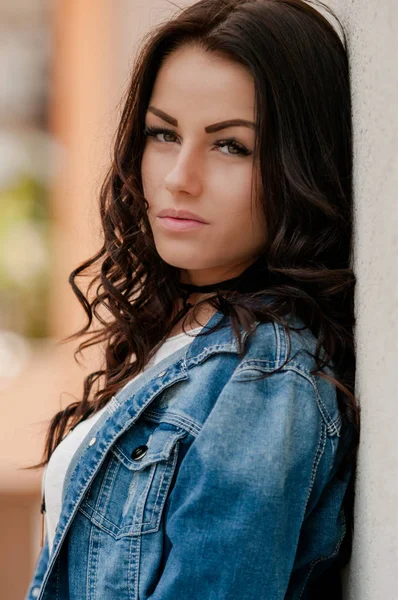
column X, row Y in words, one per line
column 55, row 470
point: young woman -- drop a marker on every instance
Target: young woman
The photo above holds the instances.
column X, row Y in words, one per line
column 215, row 456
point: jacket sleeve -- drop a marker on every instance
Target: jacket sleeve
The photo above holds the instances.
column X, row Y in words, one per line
column 235, row 513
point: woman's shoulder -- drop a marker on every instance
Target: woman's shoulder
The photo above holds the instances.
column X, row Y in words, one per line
column 274, row 343
column 289, row 353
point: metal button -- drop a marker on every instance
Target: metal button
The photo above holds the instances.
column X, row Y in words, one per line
column 92, row 441
column 139, row 452
column 162, row 373
column 35, row 591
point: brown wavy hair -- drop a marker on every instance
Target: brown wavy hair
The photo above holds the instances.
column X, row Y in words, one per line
column 303, row 113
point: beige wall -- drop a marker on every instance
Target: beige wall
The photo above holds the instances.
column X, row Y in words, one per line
column 373, row 40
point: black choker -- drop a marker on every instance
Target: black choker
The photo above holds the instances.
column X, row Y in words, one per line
column 254, row 279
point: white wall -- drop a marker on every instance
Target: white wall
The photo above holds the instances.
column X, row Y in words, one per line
column 372, row 29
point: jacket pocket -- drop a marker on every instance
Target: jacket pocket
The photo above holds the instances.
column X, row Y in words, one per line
column 128, row 493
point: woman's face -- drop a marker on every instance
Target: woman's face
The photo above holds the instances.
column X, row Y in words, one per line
column 192, row 167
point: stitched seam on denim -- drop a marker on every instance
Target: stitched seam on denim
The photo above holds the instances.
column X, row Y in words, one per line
column 108, row 485
column 86, row 503
column 95, row 509
column 134, row 556
column 249, row 365
column 94, row 518
column 118, row 453
column 337, row 423
column 228, row 347
column 99, row 523
column 129, row 569
column 278, row 342
column 100, row 492
column 317, row 459
column 113, row 405
column 189, row 426
column 333, row 425
column 94, row 561
column 58, row 586
column 170, row 473
column 171, row 415
column 137, row 566
column 174, row 419
column 88, row 574
column 148, row 522
column 143, row 498
column 330, row 424
column 100, row 517
column 322, row 558
column 148, row 491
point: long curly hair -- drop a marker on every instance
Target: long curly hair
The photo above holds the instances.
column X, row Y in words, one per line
column 304, row 147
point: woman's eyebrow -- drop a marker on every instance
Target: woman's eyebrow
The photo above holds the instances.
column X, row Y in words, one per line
column 210, row 128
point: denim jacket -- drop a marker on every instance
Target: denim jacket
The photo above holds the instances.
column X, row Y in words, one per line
column 203, row 481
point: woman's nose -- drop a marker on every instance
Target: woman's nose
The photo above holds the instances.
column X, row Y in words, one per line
column 185, row 175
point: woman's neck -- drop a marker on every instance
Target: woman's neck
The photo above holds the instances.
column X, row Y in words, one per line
column 202, row 314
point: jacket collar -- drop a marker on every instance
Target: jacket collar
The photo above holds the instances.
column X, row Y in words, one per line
column 220, row 340
column 176, row 365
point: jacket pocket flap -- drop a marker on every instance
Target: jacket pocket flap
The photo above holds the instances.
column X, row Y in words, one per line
column 149, row 446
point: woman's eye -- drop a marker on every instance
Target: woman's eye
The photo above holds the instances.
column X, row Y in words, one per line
column 155, row 131
column 235, row 145
column 230, row 143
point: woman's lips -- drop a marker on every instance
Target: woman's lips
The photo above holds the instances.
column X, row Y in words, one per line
column 180, row 224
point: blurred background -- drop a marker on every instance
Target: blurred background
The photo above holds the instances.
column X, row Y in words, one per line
column 64, row 67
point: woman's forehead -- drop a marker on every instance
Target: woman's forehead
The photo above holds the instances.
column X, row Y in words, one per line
column 193, row 79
